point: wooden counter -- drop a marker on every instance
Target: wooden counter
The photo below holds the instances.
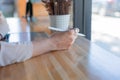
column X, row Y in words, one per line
column 83, row 61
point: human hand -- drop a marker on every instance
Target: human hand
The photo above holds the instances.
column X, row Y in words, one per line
column 63, row 40
column 57, row 41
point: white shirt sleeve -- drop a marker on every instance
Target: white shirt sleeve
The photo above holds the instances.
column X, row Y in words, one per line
column 12, row 53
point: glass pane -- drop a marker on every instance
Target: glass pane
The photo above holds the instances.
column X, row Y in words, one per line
column 7, row 7
column 106, row 24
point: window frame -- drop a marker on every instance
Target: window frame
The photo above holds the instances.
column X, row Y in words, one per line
column 82, row 16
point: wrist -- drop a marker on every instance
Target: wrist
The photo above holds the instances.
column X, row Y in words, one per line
column 52, row 44
column 42, row 46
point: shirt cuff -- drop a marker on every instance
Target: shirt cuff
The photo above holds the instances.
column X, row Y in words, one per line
column 13, row 53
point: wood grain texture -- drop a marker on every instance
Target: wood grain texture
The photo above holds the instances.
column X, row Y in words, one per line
column 83, row 61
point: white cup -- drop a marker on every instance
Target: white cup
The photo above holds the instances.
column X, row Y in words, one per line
column 60, row 21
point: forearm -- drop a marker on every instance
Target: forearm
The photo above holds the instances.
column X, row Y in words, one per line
column 12, row 53
column 17, row 52
column 42, row 46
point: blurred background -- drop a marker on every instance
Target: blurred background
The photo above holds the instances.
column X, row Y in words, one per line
column 105, row 19
column 16, row 8
column 106, row 25
column 8, row 7
column 106, row 7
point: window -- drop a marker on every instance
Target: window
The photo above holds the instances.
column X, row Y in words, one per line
column 82, row 16
column 106, row 24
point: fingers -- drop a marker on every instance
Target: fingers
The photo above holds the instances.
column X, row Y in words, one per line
column 64, row 40
column 76, row 30
column 73, row 34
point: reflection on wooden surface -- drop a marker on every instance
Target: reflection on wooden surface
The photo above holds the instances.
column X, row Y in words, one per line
column 21, row 25
column 25, row 36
